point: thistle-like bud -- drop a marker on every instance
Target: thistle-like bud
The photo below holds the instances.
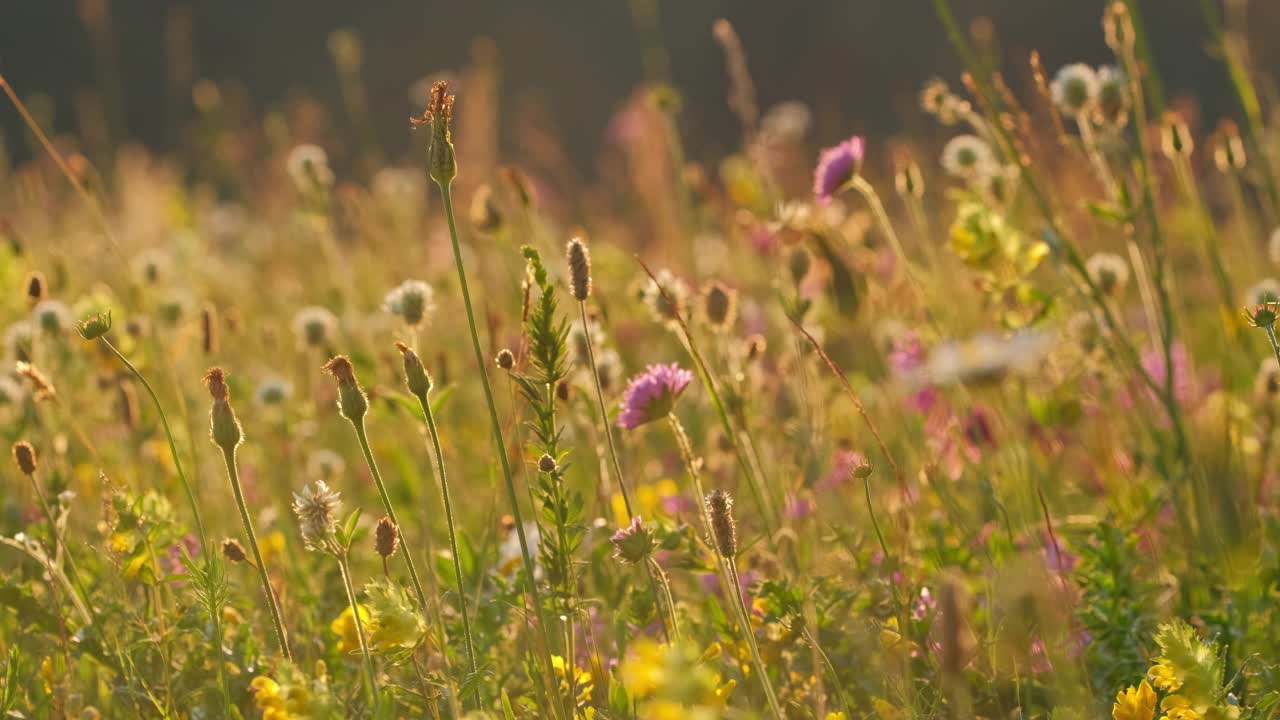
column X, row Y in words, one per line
column 633, row 543
column 442, row 161
column 719, row 305
column 224, row 428
column 723, row 527
column 579, row 269
column 95, row 326
column 352, row 402
column 1175, row 137
column 505, row 360
column 546, row 464
column 37, row 287
column 233, row 550
column 415, row 375
column 386, row 537
column 25, row 456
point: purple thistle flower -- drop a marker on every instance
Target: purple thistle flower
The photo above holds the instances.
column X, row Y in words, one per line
column 836, row 166
column 651, row 394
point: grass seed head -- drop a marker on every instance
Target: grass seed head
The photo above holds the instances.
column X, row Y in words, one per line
column 579, row 269
column 25, row 456
column 723, row 526
column 386, row 537
column 37, row 287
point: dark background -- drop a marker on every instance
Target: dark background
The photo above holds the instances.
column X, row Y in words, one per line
column 858, row 63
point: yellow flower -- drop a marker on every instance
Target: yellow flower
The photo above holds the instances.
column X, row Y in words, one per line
column 1163, row 677
column 271, row 546
column 837, row 716
column 1179, row 708
column 46, row 675
column 1136, row 703
column 643, row 670
column 889, row 635
column 582, row 683
column 646, row 500
column 344, row 626
column 887, row 710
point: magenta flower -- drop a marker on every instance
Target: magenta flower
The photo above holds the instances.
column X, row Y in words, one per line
column 836, row 167
column 651, row 394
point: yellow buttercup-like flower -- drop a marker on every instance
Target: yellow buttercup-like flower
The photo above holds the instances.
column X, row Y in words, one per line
column 1179, row 708
column 344, row 626
column 1163, row 677
column 1136, row 703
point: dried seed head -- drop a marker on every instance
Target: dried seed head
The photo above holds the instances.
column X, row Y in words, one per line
column 233, row 550
column 723, row 527
column 563, row 390
column 386, row 537
column 224, row 428
column 1228, row 148
column 579, row 269
column 415, row 375
column 25, row 456
column 1118, row 27
column 719, row 305
column 546, row 464
column 505, row 360
column 1175, row 137
column 37, row 287
column 352, row 402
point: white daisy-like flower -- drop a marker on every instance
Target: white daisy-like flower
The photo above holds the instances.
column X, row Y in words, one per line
column 308, row 166
column 1108, row 271
column 969, row 157
column 317, row 510
column 412, row 300
column 1264, row 291
column 1075, row 88
column 51, row 317
column 314, row 325
column 273, row 391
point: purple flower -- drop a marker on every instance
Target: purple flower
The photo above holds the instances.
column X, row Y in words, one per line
column 651, row 394
column 836, row 167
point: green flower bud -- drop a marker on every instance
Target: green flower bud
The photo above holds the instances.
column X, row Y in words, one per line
column 95, row 326
column 352, row 402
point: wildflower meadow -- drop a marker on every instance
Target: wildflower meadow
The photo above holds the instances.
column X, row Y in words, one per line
column 978, row 422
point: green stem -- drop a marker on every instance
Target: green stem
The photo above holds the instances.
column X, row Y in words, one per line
column 453, row 539
column 233, row 474
column 1275, row 346
column 496, row 425
column 728, row 573
column 371, row 675
column 656, row 572
column 60, row 539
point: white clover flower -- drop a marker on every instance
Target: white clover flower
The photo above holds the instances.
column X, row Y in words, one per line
column 308, row 166
column 1264, row 291
column 51, row 317
column 273, row 391
column 412, row 300
column 314, row 326
column 1108, row 271
column 970, row 157
column 1075, row 88
column 317, row 509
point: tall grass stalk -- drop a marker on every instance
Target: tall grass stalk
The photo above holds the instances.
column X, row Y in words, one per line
column 371, row 675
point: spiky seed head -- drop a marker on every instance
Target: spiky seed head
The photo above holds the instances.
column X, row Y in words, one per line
column 224, row 428
column 546, row 464
column 723, row 527
column 386, row 537
column 719, row 305
column 352, row 402
column 505, row 360
column 415, row 375
column 95, row 326
column 233, row 550
column 36, row 286
column 579, row 269
column 25, row 456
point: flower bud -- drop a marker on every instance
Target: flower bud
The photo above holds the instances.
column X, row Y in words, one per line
column 415, row 375
column 352, row 402
column 442, row 161
column 634, row 543
column 224, row 428
column 95, row 326
column 719, row 306
column 1175, row 137
column 386, row 537
column 579, row 269
column 25, row 456
column 799, row 262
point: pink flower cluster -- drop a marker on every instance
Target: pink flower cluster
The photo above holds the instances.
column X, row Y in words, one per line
column 651, row 394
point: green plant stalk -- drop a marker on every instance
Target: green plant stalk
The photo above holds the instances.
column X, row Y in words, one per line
column 453, row 539
column 659, row 576
column 496, row 424
column 725, row 566
column 60, row 538
column 767, row 512
column 613, row 453
column 1212, row 243
column 233, row 474
column 868, row 192
column 1275, row 346
column 371, row 675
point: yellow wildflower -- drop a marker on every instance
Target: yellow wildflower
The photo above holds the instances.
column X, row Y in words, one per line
column 887, row 710
column 1136, row 703
column 1163, row 677
column 344, row 626
column 582, row 681
column 837, row 716
column 1176, row 707
column 271, row 546
column 46, row 675
column 643, row 670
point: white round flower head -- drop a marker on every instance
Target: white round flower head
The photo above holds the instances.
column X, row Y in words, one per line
column 412, row 300
column 308, row 166
column 1273, row 246
column 317, row 510
column 969, row 157
column 1112, row 106
column 325, row 464
column 1108, row 271
column 273, row 391
column 1075, row 88
column 314, row 325
column 1266, row 290
column 51, row 317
